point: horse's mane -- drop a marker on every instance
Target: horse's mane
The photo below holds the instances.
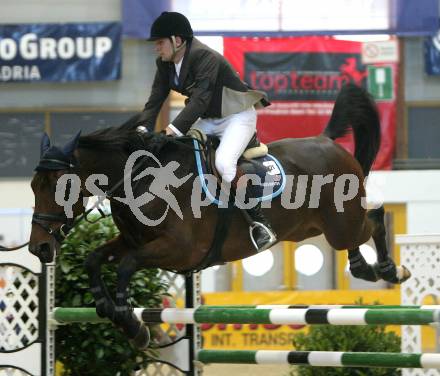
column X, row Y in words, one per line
column 125, row 139
column 116, row 139
column 110, row 139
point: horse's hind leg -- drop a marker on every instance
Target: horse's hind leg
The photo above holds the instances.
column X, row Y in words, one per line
column 385, row 268
column 359, row 268
column 135, row 330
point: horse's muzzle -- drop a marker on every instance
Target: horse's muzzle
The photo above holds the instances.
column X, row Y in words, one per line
column 44, row 251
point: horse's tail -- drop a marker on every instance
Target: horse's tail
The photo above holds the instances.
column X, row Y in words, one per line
column 355, row 108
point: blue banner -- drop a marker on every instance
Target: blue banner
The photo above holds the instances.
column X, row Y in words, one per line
column 60, row 52
column 414, row 17
column 284, row 18
column 139, row 15
column 432, row 55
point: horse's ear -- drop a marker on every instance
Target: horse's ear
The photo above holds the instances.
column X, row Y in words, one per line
column 70, row 147
column 45, row 144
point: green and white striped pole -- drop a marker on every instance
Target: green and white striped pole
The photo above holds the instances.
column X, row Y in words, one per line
column 321, row 358
column 282, row 316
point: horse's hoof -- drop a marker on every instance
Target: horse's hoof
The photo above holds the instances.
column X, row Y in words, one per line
column 403, row 273
column 392, row 273
column 142, row 338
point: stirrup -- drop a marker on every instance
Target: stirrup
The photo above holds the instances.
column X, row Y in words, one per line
column 269, row 243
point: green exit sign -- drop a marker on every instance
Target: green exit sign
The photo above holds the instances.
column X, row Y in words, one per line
column 380, row 82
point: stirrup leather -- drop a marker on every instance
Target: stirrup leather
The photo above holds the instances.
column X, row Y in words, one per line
column 269, row 243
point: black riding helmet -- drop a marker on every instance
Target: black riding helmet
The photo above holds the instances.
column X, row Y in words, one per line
column 169, row 24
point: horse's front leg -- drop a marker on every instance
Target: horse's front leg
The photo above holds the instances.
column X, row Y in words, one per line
column 158, row 253
column 359, row 268
column 136, row 331
column 109, row 252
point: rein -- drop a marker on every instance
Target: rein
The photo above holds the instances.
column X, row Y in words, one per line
column 8, row 249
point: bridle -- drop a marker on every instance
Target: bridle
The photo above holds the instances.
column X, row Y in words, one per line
column 43, row 220
column 67, row 224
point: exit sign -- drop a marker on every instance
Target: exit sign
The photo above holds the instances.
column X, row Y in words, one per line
column 380, row 82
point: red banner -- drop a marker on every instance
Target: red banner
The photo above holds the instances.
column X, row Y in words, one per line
column 302, row 77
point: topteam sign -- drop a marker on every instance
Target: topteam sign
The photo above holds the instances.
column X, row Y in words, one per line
column 303, row 76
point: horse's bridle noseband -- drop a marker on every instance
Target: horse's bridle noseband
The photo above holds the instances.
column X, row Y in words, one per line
column 43, row 220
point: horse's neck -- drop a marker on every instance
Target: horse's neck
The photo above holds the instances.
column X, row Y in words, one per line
column 112, row 165
column 100, row 162
column 180, row 153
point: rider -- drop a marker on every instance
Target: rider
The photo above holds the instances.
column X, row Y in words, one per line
column 217, row 103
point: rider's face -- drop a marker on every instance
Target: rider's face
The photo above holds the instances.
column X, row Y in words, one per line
column 164, row 49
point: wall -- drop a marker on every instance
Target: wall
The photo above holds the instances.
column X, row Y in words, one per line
column 138, row 65
column 420, row 190
column 418, row 85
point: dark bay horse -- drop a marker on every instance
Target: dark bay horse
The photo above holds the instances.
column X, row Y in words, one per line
column 180, row 241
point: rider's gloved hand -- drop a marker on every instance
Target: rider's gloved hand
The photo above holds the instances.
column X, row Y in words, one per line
column 169, row 132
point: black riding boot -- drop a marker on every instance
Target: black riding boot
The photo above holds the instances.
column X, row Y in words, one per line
column 261, row 232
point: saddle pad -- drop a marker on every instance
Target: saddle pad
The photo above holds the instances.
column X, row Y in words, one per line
column 267, row 168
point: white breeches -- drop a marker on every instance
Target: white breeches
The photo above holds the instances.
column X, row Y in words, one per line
column 235, row 131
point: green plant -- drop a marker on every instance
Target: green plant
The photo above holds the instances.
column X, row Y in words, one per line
column 347, row 339
column 97, row 349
